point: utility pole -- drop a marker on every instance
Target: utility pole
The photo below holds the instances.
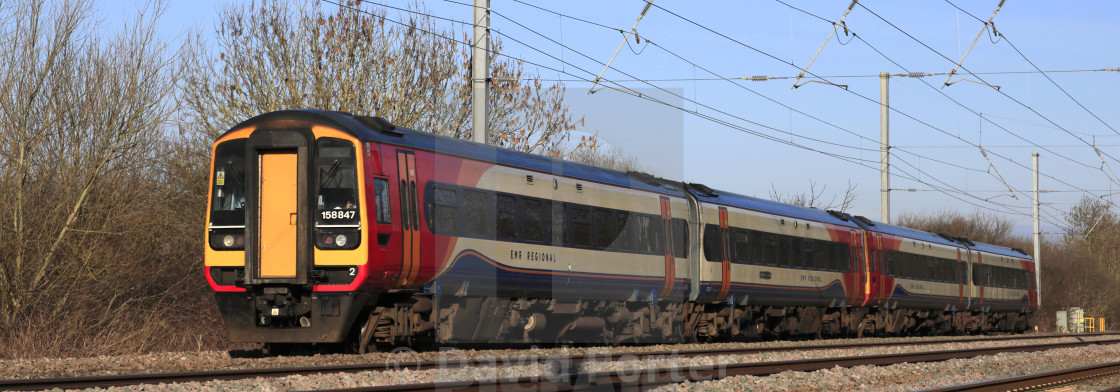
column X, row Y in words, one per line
column 480, row 71
column 1037, row 235
column 884, row 148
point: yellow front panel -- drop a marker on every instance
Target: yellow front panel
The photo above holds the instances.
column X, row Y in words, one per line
column 360, row 255
column 277, row 215
column 224, row 258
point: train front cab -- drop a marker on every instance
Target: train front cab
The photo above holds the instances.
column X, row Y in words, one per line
column 285, row 260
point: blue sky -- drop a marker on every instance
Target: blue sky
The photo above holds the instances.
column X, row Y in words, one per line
column 937, row 147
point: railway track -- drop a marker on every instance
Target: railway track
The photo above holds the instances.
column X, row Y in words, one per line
column 569, row 365
column 1045, row 380
column 645, row 379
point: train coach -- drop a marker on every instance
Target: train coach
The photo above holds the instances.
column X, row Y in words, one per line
column 346, row 232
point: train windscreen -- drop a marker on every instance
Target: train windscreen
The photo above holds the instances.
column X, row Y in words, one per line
column 337, row 217
column 227, row 205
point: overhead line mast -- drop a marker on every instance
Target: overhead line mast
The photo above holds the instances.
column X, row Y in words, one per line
column 480, row 72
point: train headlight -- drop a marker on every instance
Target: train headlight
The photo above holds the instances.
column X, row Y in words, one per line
column 337, row 239
column 227, row 239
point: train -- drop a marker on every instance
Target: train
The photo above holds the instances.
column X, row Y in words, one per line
column 342, row 231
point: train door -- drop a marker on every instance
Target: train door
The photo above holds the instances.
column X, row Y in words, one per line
column 278, row 241
column 876, row 272
column 858, row 290
column 725, row 257
column 886, row 283
column 409, row 217
column 979, row 280
column 667, row 239
column 964, row 277
column 278, row 217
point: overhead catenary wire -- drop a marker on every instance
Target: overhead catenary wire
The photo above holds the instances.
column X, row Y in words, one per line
column 857, row 161
column 763, row 78
column 708, row 117
column 939, row 91
column 904, row 114
column 1013, row 99
column 1110, row 179
column 743, row 129
column 967, row 108
column 678, row 95
column 1039, row 70
column 647, row 82
column 791, row 64
column 701, row 115
column 695, row 65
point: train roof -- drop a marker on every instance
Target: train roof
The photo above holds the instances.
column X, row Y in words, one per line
column 769, row 206
column 943, row 239
column 375, row 129
column 907, row 232
column 1002, row 251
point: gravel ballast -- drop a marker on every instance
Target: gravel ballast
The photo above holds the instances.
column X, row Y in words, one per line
column 898, row 377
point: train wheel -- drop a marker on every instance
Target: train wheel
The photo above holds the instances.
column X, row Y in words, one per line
column 863, row 326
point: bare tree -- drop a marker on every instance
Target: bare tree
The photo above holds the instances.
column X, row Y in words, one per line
column 611, row 158
column 979, row 226
column 1090, row 218
column 1095, row 226
column 274, row 55
column 815, row 198
column 80, row 115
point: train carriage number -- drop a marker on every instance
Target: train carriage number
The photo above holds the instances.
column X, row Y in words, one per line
column 338, row 214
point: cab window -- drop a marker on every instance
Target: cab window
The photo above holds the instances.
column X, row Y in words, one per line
column 337, row 173
column 227, row 203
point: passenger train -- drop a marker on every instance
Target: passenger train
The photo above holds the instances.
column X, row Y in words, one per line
column 336, row 230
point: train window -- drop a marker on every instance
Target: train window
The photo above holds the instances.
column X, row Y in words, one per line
column 646, row 237
column 680, row 238
column 381, row 200
column 337, row 171
column 507, row 217
column 228, row 201
column 876, row 255
column 473, row 207
column 811, row 257
column 890, row 267
column 532, row 220
column 445, row 212
column 769, row 249
column 755, row 246
column 740, row 240
column 581, row 226
column 626, row 231
column 791, row 252
column 713, row 243
column 605, row 230
column 560, row 236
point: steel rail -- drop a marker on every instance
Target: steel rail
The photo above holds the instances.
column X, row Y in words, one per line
column 570, row 361
column 645, row 379
column 1038, row 380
